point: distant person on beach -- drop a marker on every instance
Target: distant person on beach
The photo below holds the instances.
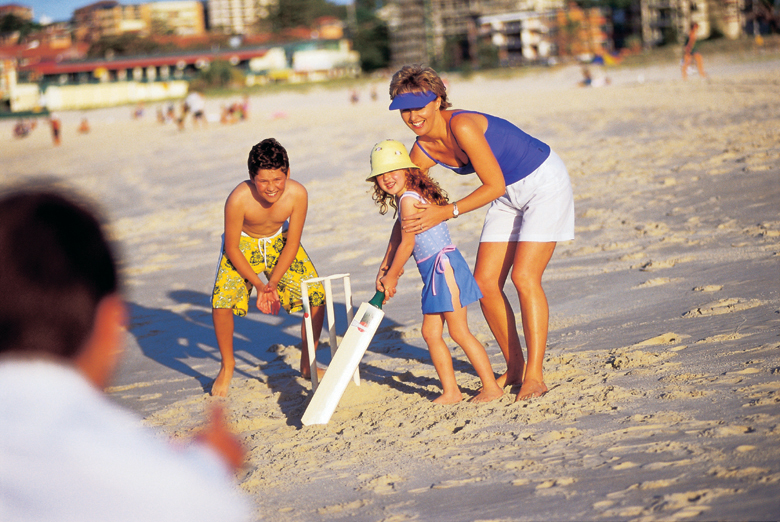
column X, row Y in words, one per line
column 264, row 219
column 68, row 452
column 56, row 128
column 690, row 53
column 195, row 104
column 84, row 126
column 532, row 208
column 448, row 284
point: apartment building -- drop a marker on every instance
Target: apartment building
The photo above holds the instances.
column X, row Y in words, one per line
column 109, row 18
column 182, row 18
column 238, row 16
column 19, row 11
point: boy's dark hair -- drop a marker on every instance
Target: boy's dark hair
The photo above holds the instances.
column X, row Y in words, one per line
column 269, row 155
column 55, row 267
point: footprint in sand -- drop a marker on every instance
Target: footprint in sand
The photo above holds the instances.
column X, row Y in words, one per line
column 723, row 306
column 708, row 288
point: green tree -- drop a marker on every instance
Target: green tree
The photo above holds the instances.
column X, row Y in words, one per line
column 12, row 23
column 302, row 13
column 370, row 37
column 219, row 73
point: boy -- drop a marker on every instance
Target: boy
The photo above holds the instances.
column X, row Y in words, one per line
column 67, row 452
column 264, row 219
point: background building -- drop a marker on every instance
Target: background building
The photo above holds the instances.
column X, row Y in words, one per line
column 183, row 18
column 238, row 16
column 109, row 18
column 19, row 11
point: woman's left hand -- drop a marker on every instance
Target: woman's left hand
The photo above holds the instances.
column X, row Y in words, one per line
column 428, row 217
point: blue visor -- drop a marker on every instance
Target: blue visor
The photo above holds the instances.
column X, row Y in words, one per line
column 412, row 100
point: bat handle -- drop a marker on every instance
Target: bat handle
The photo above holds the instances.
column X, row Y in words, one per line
column 376, row 301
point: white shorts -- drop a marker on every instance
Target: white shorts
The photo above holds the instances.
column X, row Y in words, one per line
column 538, row 208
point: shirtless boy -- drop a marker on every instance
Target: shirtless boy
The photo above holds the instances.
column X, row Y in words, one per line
column 264, row 219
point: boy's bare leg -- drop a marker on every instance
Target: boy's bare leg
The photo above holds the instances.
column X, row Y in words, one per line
column 432, row 329
column 494, row 261
column 531, row 259
column 223, row 328
column 317, row 319
column 458, row 326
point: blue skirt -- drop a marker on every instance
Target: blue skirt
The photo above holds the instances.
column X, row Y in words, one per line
column 433, row 279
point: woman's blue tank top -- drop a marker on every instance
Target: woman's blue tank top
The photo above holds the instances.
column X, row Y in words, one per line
column 518, row 153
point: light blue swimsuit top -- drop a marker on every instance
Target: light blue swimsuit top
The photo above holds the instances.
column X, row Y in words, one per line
column 432, row 241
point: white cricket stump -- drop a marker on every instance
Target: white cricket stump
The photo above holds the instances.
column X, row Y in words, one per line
column 326, row 283
column 345, row 363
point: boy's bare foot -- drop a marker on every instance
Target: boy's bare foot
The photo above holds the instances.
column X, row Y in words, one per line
column 448, row 398
column 221, row 383
column 306, row 373
column 488, row 395
column 530, row 389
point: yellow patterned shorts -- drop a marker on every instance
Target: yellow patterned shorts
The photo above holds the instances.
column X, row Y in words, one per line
column 232, row 291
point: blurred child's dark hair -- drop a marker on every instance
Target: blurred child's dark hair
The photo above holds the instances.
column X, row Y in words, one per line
column 425, row 186
column 268, row 155
column 55, row 267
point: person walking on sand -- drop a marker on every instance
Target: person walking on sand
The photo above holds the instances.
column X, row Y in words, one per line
column 691, row 53
column 532, row 208
column 448, row 284
column 67, row 451
column 264, row 219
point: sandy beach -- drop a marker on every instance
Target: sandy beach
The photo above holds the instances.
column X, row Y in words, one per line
column 663, row 359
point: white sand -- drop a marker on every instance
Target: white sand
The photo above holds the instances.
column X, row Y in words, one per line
column 663, row 356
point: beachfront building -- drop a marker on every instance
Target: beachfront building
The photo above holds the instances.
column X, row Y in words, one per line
column 110, row 18
column 238, row 16
column 19, row 11
column 452, row 33
column 182, row 18
column 668, row 21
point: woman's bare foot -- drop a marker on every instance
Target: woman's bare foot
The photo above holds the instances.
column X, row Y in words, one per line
column 448, row 398
column 531, row 388
column 509, row 380
column 487, row 395
column 222, row 382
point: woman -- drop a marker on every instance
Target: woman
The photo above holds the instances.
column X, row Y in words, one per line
column 532, row 208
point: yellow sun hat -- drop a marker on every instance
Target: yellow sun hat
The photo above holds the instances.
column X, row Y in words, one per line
column 387, row 156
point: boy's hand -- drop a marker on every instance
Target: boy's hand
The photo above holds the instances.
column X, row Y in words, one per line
column 268, row 300
column 219, row 438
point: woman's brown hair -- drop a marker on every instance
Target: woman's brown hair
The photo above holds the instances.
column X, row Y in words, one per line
column 418, row 78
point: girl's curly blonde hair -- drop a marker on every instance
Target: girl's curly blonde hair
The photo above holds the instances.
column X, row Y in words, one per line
column 425, row 186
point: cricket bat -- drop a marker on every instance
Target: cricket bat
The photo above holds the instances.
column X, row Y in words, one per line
column 344, row 363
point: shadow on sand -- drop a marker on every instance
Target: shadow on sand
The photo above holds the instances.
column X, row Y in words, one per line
column 181, row 338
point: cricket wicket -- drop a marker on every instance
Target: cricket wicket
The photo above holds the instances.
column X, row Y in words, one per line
column 326, row 283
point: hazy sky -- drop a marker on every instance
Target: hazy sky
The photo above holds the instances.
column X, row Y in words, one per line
column 61, row 10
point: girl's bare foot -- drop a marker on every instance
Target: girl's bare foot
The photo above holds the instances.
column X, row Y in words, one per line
column 221, row 383
column 448, row 398
column 487, row 395
column 531, row 388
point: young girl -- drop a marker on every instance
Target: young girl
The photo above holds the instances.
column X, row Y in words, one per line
column 448, row 284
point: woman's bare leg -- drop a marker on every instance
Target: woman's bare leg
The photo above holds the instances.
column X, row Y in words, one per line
column 531, row 259
column 494, row 261
column 458, row 327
